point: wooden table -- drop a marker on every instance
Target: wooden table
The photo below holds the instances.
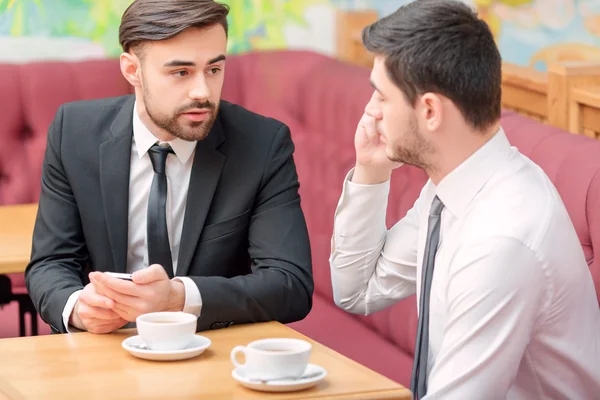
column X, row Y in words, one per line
column 16, row 230
column 87, row 366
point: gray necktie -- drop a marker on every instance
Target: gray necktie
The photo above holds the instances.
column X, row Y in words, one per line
column 418, row 382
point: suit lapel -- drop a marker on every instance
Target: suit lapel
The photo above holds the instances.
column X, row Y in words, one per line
column 206, row 170
column 115, row 156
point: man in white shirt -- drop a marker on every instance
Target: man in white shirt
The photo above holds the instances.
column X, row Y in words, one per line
column 196, row 197
column 507, row 306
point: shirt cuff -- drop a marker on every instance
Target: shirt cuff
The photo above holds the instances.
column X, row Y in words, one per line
column 68, row 310
column 360, row 215
column 193, row 299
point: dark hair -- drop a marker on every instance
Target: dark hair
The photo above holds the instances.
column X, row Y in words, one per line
column 441, row 46
column 150, row 20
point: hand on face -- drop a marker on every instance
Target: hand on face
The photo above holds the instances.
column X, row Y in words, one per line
column 370, row 146
column 150, row 291
column 93, row 312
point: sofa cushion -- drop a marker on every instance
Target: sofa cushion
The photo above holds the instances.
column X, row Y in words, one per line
column 30, row 95
column 271, row 77
column 15, row 188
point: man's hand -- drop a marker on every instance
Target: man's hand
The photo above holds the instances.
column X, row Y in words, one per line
column 93, row 313
column 372, row 163
column 150, row 291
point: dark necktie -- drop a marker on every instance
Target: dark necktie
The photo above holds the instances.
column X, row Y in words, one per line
column 418, row 382
column 159, row 250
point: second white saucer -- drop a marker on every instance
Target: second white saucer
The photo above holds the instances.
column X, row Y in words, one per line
column 314, row 374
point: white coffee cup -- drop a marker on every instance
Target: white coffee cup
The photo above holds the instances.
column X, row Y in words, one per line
column 166, row 331
column 273, row 358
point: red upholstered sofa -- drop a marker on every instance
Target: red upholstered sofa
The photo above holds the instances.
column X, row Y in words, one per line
column 321, row 100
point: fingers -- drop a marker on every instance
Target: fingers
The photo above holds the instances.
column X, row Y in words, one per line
column 123, row 299
column 105, row 282
column 153, row 273
column 90, row 297
column 369, row 125
column 126, row 313
column 87, row 312
column 126, row 306
column 106, row 327
column 95, row 319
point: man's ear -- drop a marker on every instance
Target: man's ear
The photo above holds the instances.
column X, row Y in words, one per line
column 131, row 68
column 432, row 111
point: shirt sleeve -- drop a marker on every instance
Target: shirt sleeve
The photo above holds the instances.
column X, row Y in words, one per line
column 371, row 267
column 494, row 296
column 193, row 299
column 68, row 310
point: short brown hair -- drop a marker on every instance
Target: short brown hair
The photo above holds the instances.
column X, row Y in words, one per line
column 151, row 20
column 441, row 46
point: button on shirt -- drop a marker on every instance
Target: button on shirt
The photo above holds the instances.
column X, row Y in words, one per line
column 178, row 171
column 513, row 309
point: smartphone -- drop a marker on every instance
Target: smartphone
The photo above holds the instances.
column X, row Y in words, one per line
column 119, row 275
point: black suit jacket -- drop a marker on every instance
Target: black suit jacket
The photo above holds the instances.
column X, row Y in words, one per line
column 244, row 240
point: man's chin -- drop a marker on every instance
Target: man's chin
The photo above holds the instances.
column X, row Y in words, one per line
column 195, row 132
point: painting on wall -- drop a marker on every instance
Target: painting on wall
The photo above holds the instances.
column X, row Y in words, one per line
column 528, row 32
column 78, row 29
column 537, row 32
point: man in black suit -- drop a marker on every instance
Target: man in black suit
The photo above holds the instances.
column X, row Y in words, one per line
column 196, row 197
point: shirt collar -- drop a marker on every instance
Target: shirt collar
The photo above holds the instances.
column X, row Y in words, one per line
column 144, row 139
column 457, row 189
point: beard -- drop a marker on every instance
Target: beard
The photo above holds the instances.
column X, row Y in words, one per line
column 185, row 130
column 413, row 149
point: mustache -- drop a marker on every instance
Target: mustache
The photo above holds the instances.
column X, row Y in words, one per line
column 195, row 105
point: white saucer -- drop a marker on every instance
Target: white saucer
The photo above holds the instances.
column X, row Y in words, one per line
column 282, row 385
column 136, row 347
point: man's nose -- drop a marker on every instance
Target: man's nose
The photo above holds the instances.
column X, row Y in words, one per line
column 200, row 90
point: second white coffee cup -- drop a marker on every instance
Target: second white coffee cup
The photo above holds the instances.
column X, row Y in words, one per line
column 273, row 358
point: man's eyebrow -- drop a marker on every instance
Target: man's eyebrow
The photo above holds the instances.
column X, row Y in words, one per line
column 180, row 63
column 220, row 57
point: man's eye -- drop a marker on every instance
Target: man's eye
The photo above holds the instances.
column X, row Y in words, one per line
column 180, row 73
column 214, row 70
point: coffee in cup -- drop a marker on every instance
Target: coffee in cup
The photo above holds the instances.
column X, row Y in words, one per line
column 166, row 331
column 276, row 358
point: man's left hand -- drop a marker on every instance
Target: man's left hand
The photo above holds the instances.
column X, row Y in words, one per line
column 150, row 291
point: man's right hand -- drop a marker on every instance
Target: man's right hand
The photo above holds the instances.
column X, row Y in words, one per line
column 93, row 313
column 372, row 163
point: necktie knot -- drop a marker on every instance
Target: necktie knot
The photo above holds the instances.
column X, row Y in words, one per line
column 436, row 207
column 158, row 156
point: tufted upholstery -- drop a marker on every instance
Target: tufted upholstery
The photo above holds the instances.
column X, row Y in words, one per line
column 321, row 100
column 30, row 94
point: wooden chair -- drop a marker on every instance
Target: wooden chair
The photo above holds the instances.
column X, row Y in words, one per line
column 585, row 111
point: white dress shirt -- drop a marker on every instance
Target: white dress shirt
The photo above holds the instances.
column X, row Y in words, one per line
column 178, row 171
column 513, row 309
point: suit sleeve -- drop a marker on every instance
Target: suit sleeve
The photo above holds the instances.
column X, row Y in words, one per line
column 280, row 286
column 58, row 249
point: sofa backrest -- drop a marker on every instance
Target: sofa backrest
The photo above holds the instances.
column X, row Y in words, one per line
column 30, row 95
column 321, row 99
